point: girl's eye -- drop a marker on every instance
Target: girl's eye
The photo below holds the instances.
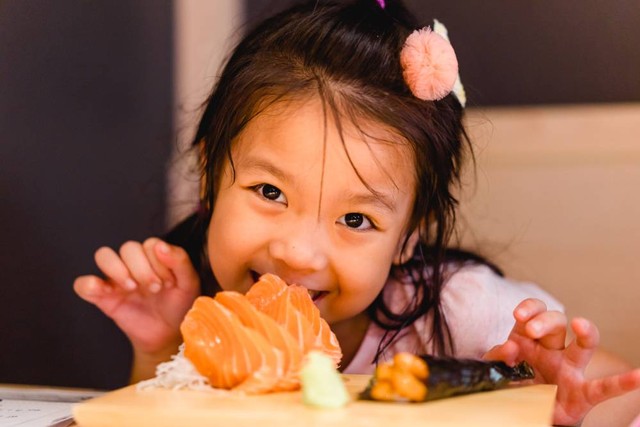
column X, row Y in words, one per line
column 270, row 192
column 356, row 221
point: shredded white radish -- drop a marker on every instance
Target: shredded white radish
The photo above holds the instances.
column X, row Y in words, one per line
column 178, row 374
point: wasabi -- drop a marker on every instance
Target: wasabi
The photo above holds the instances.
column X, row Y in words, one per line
column 322, row 385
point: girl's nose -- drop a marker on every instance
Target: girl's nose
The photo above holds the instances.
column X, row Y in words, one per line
column 302, row 250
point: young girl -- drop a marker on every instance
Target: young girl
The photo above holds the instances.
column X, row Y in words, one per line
column 330, row 148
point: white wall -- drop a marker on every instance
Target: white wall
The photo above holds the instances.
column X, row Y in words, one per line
column 205, row 33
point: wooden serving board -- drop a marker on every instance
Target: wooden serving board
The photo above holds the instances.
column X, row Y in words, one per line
column 516, row 406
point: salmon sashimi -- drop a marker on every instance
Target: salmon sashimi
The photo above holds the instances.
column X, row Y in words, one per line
column 273, row 298
column 266, row 292
column 324, row 339
column 292, row 307
column 256, row 342
column 287, row 349
column 225, row 351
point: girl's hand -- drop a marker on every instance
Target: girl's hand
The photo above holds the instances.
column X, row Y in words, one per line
column 147, row 290
column 539, row 338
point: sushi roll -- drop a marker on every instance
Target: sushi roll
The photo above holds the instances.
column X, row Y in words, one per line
column 423, row 378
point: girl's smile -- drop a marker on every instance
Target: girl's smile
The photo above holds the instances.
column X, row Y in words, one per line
column 318, row 210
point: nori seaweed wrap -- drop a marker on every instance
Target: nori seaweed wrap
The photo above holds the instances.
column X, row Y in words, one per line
column 425, row 378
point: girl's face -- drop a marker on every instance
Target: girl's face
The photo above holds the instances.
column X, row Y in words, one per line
column 298, row 209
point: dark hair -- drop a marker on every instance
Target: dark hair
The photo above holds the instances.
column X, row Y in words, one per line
column 348, row 54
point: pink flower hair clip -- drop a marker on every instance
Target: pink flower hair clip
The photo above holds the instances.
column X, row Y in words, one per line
column 430, row 66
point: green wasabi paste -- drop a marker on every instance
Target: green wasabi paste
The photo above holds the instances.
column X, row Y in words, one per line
column 322, row 385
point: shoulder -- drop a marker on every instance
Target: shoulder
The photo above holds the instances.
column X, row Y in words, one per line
column 474, row 284
column 478, row 305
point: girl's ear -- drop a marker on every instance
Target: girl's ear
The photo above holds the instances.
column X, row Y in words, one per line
column 405, row 252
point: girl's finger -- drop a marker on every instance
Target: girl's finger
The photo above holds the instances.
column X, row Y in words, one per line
column 526, row 311
column 177, row 260
column 91, row 288
column 605, row 388
column 549, row 328
column 507, row 352
column 167, row 276
column 114, row 268
column 135, row 259
column 99, row 292
column 581, row 349
column 587, row 333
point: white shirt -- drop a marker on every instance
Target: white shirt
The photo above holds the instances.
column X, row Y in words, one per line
column 477, row 304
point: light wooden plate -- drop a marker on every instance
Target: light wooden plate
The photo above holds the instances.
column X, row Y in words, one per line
column 516, row 406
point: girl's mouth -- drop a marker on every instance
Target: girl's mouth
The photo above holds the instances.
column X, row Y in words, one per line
column 254, row 275
column 317, row 295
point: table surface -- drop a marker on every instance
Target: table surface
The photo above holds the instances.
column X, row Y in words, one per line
column 514, row 406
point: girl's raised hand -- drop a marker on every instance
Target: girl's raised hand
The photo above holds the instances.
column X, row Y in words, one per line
column 539, row 338
column 147, row 290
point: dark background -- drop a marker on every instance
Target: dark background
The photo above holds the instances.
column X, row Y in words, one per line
column 85, row 138
column 533, row 52
column 85, row 133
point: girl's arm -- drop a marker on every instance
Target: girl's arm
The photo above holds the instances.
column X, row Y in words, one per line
column 539, row 337
column 147, row 290
column 144, row 364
